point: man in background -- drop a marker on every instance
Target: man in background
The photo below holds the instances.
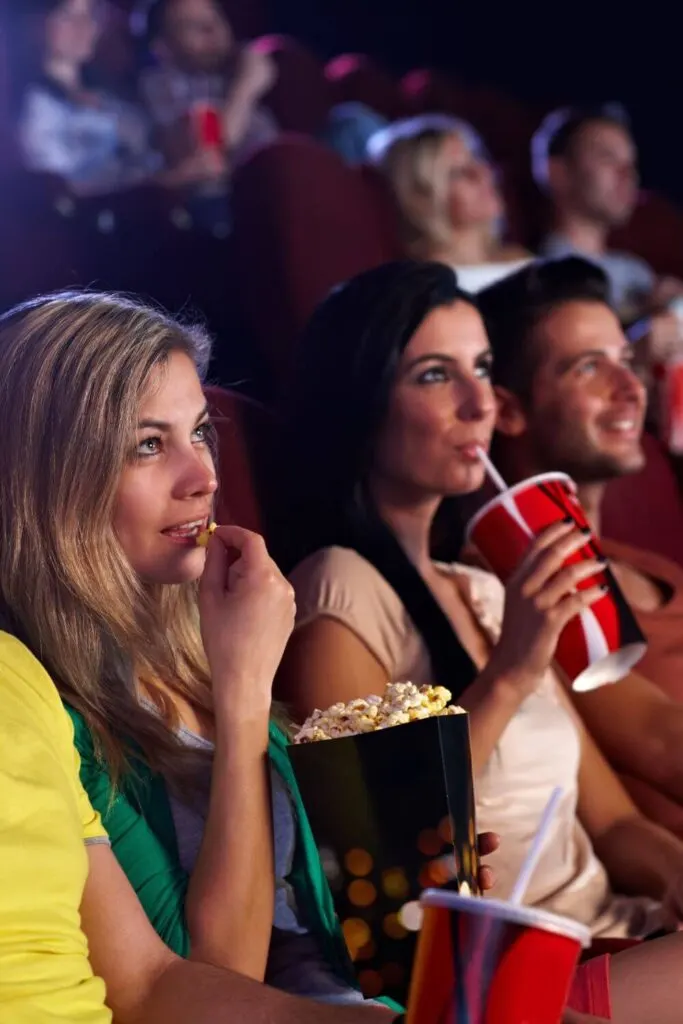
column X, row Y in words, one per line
column 587, row 164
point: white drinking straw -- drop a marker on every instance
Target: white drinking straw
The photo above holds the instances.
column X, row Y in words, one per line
column 531, row 859
column 491, row 470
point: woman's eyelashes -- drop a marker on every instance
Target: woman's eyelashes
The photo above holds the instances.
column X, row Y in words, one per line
column 484, row 367
column 437, row 374
column 204, row 433
column 442, row 373
column 148, row 447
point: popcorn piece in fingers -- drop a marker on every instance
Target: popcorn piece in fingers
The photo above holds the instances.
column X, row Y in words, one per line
column 204, row 537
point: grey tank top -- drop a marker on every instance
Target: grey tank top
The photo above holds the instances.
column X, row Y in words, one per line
column 295, row 961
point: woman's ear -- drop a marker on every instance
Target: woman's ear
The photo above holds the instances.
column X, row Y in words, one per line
column 511, row 419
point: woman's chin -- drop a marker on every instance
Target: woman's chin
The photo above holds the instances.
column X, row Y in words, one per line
column 467, row 480
column 186, row 567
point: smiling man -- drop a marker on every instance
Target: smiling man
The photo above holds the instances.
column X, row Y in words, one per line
column 570, row 401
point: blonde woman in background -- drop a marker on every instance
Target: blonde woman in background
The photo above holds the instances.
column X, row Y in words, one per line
column 449, row 204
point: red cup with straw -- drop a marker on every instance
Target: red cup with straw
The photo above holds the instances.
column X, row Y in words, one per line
column 603, row 642
column 484, row 961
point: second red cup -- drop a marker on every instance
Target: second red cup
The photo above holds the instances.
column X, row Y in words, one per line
column 482, row 961
column 207, row 126
column 604, row 642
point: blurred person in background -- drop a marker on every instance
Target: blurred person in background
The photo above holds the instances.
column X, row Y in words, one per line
column 449, row 203
column 587, row 164
column 203, row 93
column 95, row 141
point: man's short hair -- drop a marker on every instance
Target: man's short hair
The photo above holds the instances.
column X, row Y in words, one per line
column 559, row 130
column 513, row 308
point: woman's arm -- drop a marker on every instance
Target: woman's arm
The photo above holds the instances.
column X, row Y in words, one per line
column 147, row 984
column 247, row 614
column 326, row 662
column 256, row 73
column 230, row 898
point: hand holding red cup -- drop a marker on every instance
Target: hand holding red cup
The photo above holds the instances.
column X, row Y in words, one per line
column 600, row 641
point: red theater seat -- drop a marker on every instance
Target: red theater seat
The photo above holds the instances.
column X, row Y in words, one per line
column 247, row 19
column 304, row 222
column 354, row 78
column 646, row 509
column 655, row 232
column 243, row 431
column 301, row 98
column 116, row 57
column 430, row 92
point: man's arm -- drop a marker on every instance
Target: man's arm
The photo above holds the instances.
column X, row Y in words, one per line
column 639, row 730
column 640, row 856
column 147, row 984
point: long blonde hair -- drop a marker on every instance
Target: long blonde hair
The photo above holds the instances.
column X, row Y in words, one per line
column 411, row 156
column 73, row 369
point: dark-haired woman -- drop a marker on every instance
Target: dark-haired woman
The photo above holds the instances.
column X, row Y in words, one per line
column 391, row 397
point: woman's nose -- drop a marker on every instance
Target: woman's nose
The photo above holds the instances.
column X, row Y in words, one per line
column 480, row 401
column 196, row 477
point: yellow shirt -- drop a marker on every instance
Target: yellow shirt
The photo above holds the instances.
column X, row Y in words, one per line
column 45, row 820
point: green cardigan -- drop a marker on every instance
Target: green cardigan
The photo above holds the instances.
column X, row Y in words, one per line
column 139, row 822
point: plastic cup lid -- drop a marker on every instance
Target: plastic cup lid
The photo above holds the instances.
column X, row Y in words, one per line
column 523, row 485
column 529, row 917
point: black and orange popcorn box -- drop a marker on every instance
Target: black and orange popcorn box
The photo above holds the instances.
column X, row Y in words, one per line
column 392, row 812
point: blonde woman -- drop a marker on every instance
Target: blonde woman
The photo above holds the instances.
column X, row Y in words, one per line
column 108, row 477
column 449, row 205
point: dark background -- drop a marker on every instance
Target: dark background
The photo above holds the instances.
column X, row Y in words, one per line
column 547, row 53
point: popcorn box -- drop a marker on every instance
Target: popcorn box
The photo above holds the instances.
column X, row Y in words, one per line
column 392, row 813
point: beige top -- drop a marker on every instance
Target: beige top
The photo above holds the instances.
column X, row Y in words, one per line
column 539, row 749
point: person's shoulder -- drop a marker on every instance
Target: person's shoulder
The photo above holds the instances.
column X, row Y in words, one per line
column 33, row 721
column 341, row 582
column 555, row 245
column 478, row 576
column 24, row 683
column 485, row 593
column 337, row 565
column 629, row 262
column 513, row 253
column 42, row 97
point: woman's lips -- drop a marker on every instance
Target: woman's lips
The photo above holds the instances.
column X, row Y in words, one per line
column 186, row 533
column 469, row 452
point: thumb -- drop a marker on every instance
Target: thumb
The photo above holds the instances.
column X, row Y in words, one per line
column 214, row 578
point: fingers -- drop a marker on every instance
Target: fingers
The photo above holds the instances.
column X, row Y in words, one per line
column 547, row 556
column 235, row 555
column 488, row 842
column 566, row 582
column 574, row 604
column 250, row 546
column 487, row 878
column 214, row 577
